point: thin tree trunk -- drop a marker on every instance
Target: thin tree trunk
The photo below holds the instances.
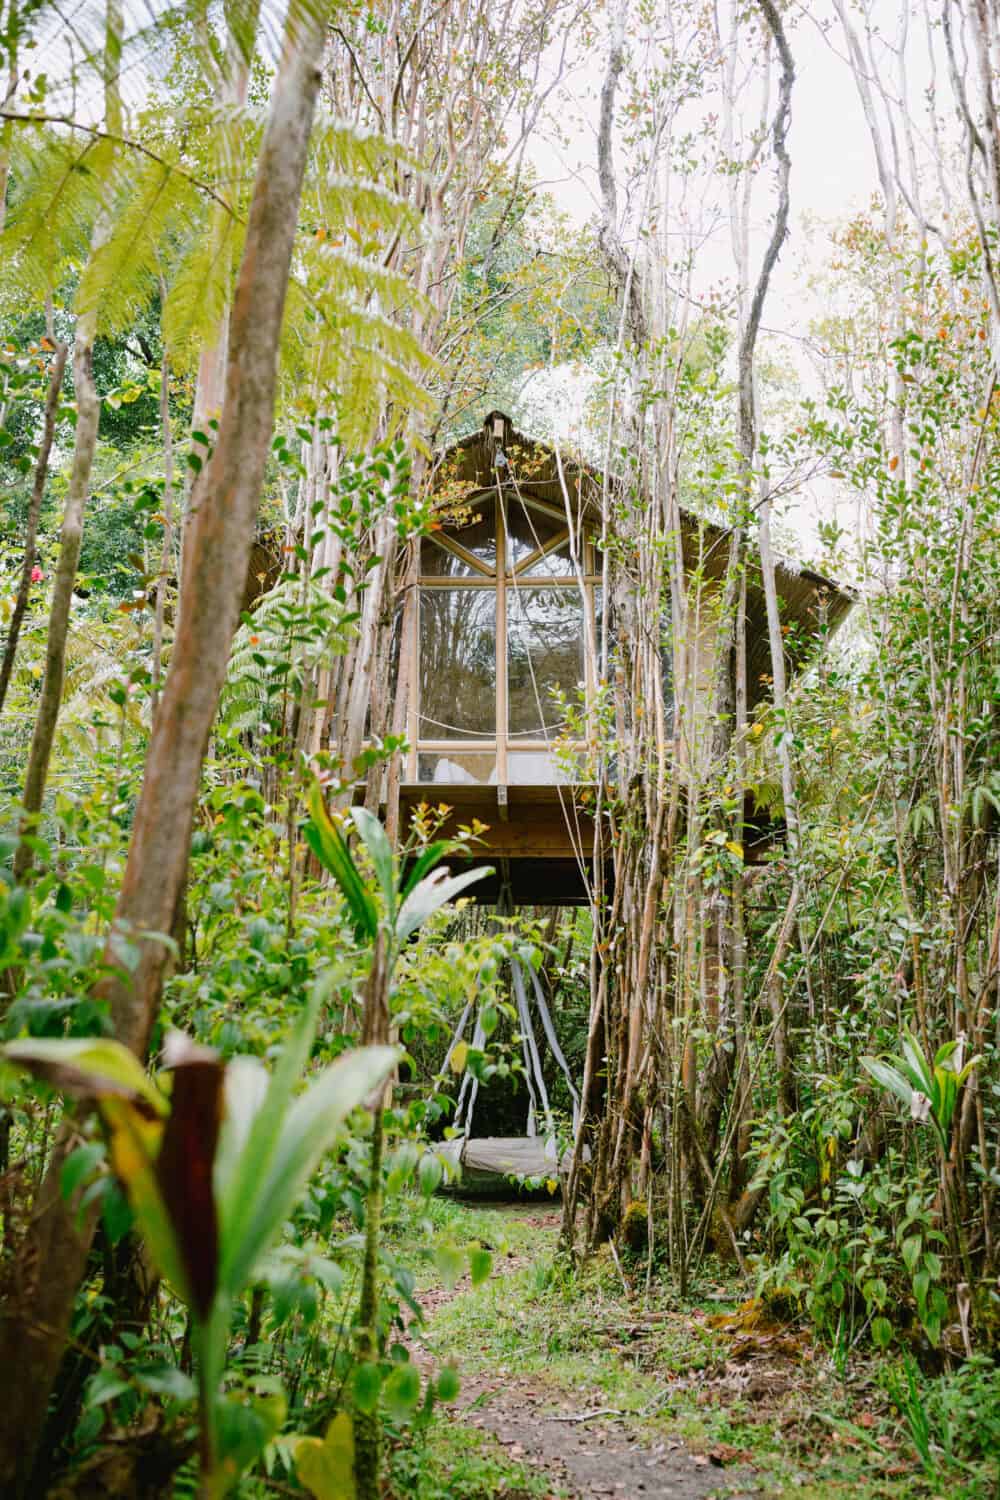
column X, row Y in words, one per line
column 88, row 411
column 168, row 532
column 34, row 511
column 54, row 1254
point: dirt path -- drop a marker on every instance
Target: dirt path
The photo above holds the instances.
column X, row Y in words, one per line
column 587, row 1449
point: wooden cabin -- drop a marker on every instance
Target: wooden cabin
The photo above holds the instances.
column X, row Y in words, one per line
column 510, row 606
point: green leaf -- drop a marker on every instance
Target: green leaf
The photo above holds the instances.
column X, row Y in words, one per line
column 428, row 857
column 448, row 1384
column 449, row 1262
column 327, row 843
column 307, row 1131
column 104, row 1387
column 480, row 1265
column 433, row 892
column 167, row 1380
column 79, row 1167
column 366, row 1383
column 890, row 1078
column 373, row 837
column 326, row 1467
column 89, row 1066
column 913, row 1054
column 430, row 1173
column 911, row 1248
column 401, row 1391
column 881, row 1332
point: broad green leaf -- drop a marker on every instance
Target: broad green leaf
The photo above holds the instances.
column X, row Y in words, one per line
column 79, row 1166
column 326, row 1466
column 480, row 1265
column 246, row 1085
column 373, row 837
column 433, row 892
column 90, row 1065
column 258, row 1120
column 401, row 1391
column 913, row 1054
column 425, row 861
column 327, row 843
column 104, row 1387
column 890, row 1078
column 911, row 1252
column 430, row 1173
column 243, row 1429
column 366, row 1383
column 881, row 1332
column 306, row 1132
column 402, row 1165
column 448, row 1384
column 449, row 1262
column 167, row 1380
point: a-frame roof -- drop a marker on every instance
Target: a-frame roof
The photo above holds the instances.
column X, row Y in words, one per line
column 533, row 470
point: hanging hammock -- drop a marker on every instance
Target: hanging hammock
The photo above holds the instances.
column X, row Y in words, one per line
column 487, row 1163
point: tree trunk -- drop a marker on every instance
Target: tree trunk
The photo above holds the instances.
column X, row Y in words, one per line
column 225, row 507
column 34, row 510
column 88, row 411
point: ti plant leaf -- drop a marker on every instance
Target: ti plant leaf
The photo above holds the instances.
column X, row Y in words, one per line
column 929, row 1091
column 327, row 843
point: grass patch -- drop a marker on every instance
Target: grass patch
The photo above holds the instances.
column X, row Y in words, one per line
column 773, row 1401
column 449, row 1461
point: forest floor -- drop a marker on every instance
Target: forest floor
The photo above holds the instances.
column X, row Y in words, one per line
column 578, row 1384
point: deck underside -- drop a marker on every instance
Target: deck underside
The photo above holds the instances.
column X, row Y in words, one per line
column 539, row 840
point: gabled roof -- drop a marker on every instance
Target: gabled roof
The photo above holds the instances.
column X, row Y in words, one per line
column 468, row 470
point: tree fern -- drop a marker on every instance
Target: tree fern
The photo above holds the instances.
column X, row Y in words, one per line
column 154, row 202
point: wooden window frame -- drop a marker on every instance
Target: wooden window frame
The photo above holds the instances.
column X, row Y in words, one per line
column 502, row 743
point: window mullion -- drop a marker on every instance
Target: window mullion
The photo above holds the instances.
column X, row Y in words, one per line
column 501, row 713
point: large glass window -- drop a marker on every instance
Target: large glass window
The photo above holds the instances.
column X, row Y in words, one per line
column 457, row 678
column 502, row 638
column 545, row 652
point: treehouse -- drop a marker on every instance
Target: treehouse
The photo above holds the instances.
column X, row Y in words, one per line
column 509, row 614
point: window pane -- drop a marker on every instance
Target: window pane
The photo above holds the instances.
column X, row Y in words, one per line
column 527, row 530
column 545, row 643
column 457, row 766
column 539, row 768
column 478, row 536
column 555, row 564
column 458, row 634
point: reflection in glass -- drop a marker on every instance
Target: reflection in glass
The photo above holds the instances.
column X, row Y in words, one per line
column 458, row 633
column 455, row 766
column 540, row 768
column 527, row 530
column 545, row 650
column 478, row 537
column 555, row 564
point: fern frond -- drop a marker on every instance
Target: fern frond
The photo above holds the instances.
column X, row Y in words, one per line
column 62, row 181
column 152, row 202
column 201, row 284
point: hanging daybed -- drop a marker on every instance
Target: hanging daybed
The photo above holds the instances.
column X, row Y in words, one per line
column 501, row 1164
